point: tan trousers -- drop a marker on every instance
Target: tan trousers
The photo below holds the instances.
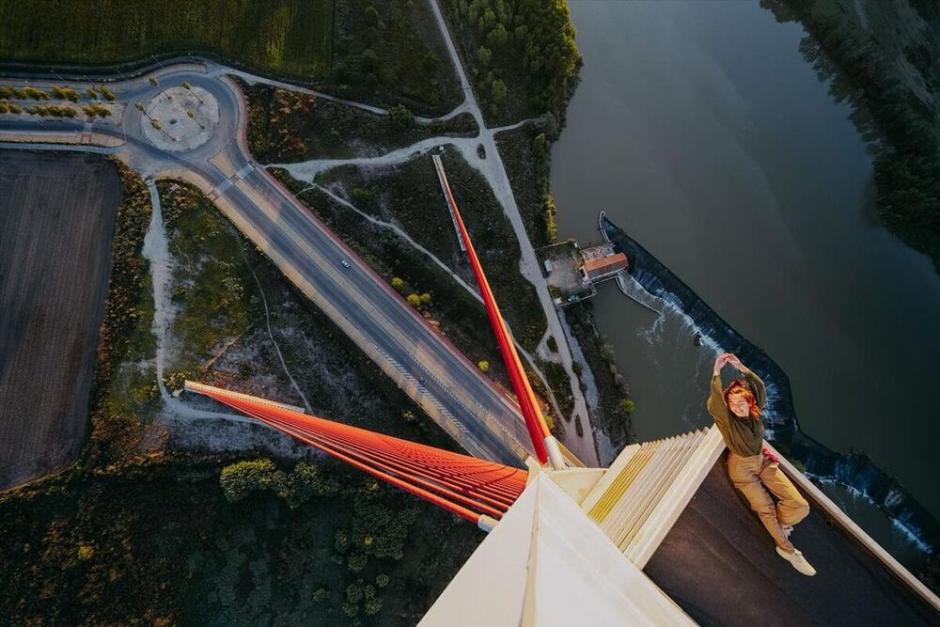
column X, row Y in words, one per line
column 754, row 476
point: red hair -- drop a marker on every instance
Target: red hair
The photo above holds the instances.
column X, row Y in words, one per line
column 740, row 386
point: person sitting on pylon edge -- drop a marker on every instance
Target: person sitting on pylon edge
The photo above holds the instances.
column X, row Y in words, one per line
column 754, row 469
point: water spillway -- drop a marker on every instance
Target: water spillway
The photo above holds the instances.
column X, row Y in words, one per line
column 854, row 471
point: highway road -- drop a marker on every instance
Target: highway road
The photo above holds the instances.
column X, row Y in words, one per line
column 477, row 413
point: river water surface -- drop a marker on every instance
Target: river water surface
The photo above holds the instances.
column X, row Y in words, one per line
column 703, row 132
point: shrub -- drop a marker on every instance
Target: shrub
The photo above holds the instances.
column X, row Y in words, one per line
column 241, row 479
column 483, row 365
column 354, row 593
column 357, row 562
column 401, row 116
column 627, row 406
column 373, row 606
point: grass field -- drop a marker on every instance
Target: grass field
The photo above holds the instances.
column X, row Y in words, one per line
column 285, row 126
column 291, row 37
column 388, row 55
column 57, row 215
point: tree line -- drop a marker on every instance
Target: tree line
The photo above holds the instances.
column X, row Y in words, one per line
column 528, row 40
column 901, row 130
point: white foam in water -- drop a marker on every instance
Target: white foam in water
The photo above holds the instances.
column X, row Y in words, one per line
column 906, row 532
column 652, row 333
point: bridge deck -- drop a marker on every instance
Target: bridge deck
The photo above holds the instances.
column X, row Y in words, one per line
column 719, row 565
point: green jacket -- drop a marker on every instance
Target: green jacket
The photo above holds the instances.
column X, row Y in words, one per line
column 742, row 436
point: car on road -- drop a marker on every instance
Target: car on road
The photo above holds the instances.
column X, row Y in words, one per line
column 346, row 264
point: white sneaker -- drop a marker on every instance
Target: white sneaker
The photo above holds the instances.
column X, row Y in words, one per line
column 798, row 562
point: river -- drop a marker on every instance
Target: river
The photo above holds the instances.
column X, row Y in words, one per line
column 701, row 130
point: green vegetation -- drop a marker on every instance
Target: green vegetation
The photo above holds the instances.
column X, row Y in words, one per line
column 521, row 54
column 895, row 112
column 241, row 479
column 169, row 538
column 286, row 126
column 66, row 93
column 54, row 111
column 558, row 380
column 391, row 52
column 409, row 194
column 209, row 255
column 614, row 405
column 96, row 110
column 289, row 37
column 455, row 312
column 120, row 402
column 387, row 52
column 159, row 541
column 526, row 155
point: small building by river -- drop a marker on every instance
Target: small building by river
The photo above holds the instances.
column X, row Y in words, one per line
column 573, row 272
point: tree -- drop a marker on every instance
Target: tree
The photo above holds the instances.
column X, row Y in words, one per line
column 484, row 55
column 540, row 145
column 401, row 116
column 483, row 365
column 425, row 298
column 372, row 15
column 498, row 91
column 242, row 478
column 357, row 562
column 414, row 300
column 627, row 406
column 398, row 283
column 552, row 344
column 373, row 605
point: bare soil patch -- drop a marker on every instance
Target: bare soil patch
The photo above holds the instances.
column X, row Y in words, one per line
column 57, row 214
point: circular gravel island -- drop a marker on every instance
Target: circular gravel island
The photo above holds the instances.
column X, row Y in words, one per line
column 180, row 118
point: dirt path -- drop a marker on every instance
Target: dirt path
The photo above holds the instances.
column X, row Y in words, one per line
column 494, row 172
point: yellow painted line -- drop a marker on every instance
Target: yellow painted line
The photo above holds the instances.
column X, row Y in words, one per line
column 624, row 480
column 635, row 480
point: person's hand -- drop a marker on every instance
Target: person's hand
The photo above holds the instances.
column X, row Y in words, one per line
column 721, row 361
column 736, row 363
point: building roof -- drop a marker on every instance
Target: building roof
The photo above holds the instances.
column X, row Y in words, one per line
column 602, row 265
column 545, row 564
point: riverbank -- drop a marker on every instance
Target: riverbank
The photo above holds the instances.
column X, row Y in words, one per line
column 881, row 58
column 759, row 195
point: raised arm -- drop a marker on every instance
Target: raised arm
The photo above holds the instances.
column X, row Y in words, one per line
column 760, row 391
column 716, row 402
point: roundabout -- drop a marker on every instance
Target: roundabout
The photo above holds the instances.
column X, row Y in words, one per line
column 179, row 119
